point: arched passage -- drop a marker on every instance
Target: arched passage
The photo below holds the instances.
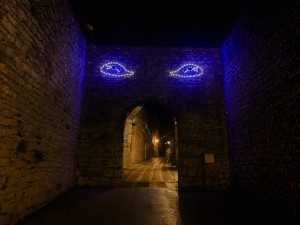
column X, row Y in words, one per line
column 149, row 157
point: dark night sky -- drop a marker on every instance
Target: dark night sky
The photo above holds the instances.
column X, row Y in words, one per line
column 148, row 24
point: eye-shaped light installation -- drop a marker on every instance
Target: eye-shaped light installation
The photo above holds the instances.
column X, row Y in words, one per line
column 187, row 70
column 115, row 69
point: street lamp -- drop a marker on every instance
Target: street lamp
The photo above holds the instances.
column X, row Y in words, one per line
column 155, row 142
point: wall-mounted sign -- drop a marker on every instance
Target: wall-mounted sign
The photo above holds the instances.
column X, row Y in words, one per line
column 209, row 158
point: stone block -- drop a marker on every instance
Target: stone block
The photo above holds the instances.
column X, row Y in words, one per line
column 82, row 181
column 5, row 121
column 5, row 219
column 118, row 172
column 95, row 182
column 3, row 182
column 108, row 172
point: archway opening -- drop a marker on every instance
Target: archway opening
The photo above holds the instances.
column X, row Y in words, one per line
column 149, row 153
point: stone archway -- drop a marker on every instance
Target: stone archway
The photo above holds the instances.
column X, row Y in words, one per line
column 149, row 126
column 148, row 134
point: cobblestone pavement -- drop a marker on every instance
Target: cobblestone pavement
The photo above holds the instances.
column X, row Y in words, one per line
column 154, row 172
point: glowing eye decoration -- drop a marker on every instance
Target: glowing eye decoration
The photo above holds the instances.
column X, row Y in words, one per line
column 115, row 69
column 187, row 70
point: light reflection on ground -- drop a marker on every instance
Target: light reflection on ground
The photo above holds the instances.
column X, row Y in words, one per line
column 154, row 172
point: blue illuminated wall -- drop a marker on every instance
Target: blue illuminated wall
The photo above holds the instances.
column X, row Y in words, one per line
column 196, row 102
column 262, row 102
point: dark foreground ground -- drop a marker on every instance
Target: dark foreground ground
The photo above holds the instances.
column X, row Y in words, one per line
column 159, row 206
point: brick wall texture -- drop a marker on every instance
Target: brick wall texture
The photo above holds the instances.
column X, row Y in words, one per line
column 42, row 57
column 197, row 103
column 262, row 101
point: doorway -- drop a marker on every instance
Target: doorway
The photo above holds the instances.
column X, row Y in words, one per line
column 149, row 150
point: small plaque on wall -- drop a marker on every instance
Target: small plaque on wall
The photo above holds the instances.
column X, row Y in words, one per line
column 209, row 158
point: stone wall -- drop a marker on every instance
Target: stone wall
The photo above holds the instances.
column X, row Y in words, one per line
column 140, row 138
column 262, row 101
column 197, row 103
column 42, row 58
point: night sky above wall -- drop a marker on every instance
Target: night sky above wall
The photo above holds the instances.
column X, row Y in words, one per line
column 148, row 24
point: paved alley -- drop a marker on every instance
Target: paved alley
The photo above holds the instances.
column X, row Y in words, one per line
column 149, row 196
column 154, row 172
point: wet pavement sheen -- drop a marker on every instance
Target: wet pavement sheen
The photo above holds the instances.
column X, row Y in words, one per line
column 156, row 206
column 154, row 172
column 149, row 196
